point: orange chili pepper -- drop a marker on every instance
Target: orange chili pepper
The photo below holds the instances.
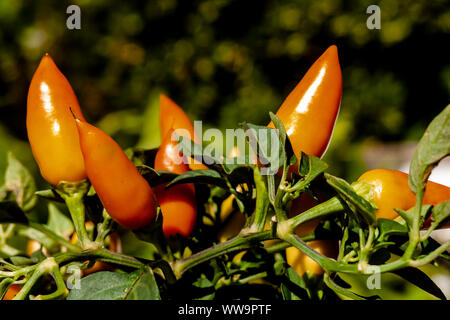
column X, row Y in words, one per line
column 178, row 203
column 51, row 127
column 125, row 194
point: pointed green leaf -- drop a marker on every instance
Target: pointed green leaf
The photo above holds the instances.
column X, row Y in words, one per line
column 421, row 280
column 433, row 147
column 105, row 285
column 199, row 176
column 59, row 222
column 358, row 204
column 20, row 182
column 440, row 214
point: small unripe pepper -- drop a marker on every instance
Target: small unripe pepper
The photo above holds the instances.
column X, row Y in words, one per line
column 51, row 127
column 124, row 193
column 178, row 203
column 391, row 190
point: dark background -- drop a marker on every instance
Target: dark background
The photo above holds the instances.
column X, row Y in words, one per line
column 225, row 61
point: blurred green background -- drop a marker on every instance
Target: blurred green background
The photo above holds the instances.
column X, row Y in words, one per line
column 226, row 61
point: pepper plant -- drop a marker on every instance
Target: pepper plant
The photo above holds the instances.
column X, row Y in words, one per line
column 249, row 264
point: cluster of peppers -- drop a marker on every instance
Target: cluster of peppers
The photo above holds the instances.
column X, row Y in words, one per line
column 69, row 150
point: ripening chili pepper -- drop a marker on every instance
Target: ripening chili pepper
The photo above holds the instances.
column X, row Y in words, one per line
column 391, row 190
column 51, row 127
column 125, row 194
column 299, row 261
column 12, row 291
column 171, row 116
column 178, row 203
column 310, row 110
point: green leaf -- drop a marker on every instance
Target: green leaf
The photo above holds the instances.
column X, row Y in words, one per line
column 440, row 214
column 195, row 151
column 145, row 286
column 266, row 143
column 150, row 136
column 21, row 261
column 20, row 182
column 58, row 222
column 433, row 147
column 204, row 283
column 280, row 126
column 421, row 280
column 105, row 285
column 4, row 285
column 34, row 234
column 408, row 216
column 11, row 212
column 3, row 193
column 142, row 157
column 50, row 194
column 241, row 174
column 156, row 177
column 295, row 287
column 200, row 176
column 357, row 204
column 310, row 168
column 390, row 227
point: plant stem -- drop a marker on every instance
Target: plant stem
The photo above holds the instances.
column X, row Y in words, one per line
column 258, row 218
column 323, row 209
column 282, row 245
column 343, row 242
column 431, row 256
column 414, row 234
column 73, row 194
column 41, row 269
column 104, row 228
column 61, row 289
column 253, row 277
column 240, row 242
column 102, row 254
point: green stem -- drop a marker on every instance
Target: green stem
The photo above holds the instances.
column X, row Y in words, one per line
column 73, row 194
column 331, row 265
column 61, row 289
column 240, row 242
column 326, row 263
column 343, row 242
column 258, row 218
column 323, row 209
column 253, row 277
column 282, row 245
column 102, row 254
column 105, row 228
column 41, row 269
column 280, row 213
column 414, row 234
column 430, row 257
